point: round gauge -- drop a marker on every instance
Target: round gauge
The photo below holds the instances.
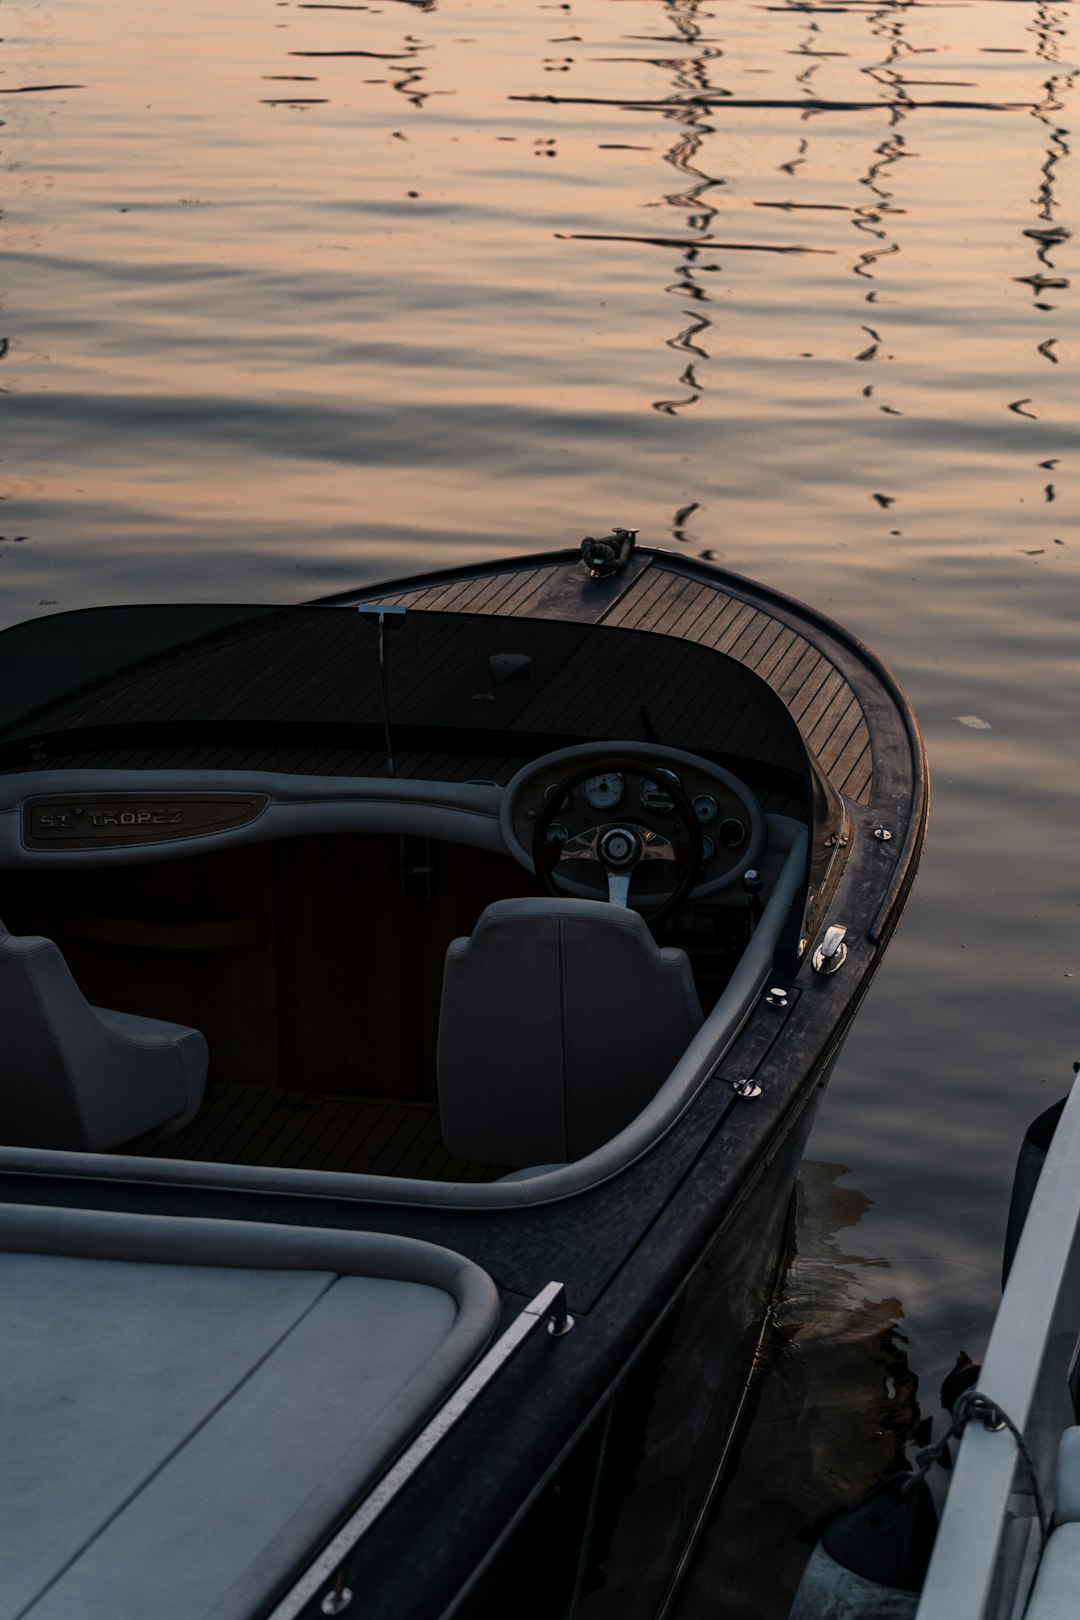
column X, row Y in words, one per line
column 604, row 792
column 565, row 802
column 706, row 808
column 557, row 833
column 653, row 796
column 708, row 850
column 732, row 832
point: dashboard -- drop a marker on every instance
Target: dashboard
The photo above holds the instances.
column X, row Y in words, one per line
column 72, row 817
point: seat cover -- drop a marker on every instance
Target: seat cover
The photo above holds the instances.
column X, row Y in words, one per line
column 191, row 1406
column 560, row 1020
column 76, row 1076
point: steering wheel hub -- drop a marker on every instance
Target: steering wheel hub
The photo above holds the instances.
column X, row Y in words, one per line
column 620, row 847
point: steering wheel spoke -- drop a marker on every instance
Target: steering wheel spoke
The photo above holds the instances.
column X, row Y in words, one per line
column 582, row 847
column 618, row 889
column 655, row 847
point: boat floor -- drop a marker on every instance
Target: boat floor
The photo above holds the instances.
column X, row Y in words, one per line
column 305, row 1130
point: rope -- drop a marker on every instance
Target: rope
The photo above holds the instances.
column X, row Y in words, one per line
column 972, row 1405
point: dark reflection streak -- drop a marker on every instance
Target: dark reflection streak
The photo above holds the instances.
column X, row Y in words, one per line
column 816, row 208
column 1049, row 30
column 684, row 340
column 813, row 32
column 380, row 56
column 405, row 87
column 845, row 11
column 670, row 39
column 718, row 103
column 797, row 162
column 403, row 62
column 681, row 519
column 887, row 24
column 672, row 407
column 692, row 83
column 36, row 89
column 686, row 242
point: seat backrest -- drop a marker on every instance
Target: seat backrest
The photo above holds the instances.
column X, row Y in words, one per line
column 67, row 1078
column 38, row 1102
column 560, row 1020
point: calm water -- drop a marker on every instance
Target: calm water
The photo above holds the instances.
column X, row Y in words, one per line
column 297, row 296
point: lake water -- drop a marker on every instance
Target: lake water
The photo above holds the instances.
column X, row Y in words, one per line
column 298, row 296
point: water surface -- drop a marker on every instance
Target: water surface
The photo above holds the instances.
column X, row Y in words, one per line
column 299, row 296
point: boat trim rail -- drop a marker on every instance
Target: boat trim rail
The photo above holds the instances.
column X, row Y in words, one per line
column 548, row 1307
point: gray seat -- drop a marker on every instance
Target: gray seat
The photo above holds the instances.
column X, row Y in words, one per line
column 560, row 1020
column 82, row 1077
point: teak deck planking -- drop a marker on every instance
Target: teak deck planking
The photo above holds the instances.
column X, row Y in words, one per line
column 656, row 598
column 304, row 1130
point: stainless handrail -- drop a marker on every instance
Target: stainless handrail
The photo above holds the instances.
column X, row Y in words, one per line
column 549, row 1306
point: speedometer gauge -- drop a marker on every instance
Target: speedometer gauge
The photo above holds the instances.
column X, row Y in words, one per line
column 604, row 792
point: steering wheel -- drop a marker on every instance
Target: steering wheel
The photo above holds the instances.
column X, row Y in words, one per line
column 620, row 846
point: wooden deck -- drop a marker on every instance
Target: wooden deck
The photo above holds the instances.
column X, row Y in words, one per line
column 655, row 598
column 303, row 1130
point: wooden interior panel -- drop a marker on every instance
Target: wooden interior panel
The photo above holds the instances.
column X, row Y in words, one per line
column 304, row 963
column 361, row 946
column 348, row 966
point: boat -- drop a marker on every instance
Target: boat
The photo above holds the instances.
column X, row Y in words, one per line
column 414, row 1005
column 1007, row 1544
column 1009, row 1539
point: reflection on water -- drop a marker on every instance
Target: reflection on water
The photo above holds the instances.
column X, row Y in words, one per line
column 313, row 241
column 836, row 1407
column 301, row 295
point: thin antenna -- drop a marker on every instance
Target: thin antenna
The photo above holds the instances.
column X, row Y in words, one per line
column 388, row 617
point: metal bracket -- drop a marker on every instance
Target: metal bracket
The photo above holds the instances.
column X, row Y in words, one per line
column 606, row 557
column 746, row 1088
column 832, row 952
column 559, row 1319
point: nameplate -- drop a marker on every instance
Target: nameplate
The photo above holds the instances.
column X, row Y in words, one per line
column 106, row 820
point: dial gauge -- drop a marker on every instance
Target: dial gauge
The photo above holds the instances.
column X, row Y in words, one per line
column 706, row 808
column 653, row 796
column 733, row 832
column 565, row 802
column 604, row 792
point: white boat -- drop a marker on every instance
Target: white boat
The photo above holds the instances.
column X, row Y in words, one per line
column 1009, row 1539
